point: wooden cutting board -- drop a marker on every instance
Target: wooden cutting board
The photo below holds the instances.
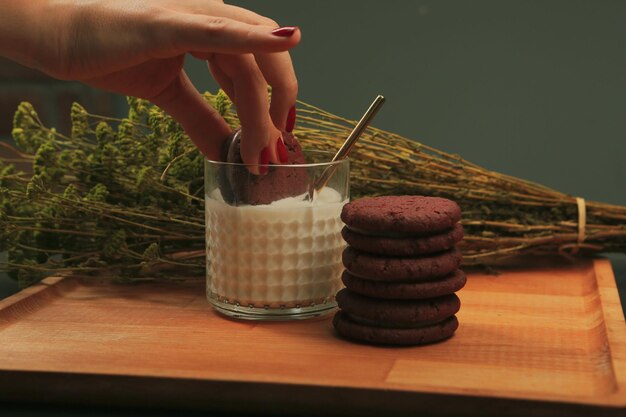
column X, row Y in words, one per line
column 538, row 340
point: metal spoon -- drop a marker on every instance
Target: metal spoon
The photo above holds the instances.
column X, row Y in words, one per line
column 347, row 146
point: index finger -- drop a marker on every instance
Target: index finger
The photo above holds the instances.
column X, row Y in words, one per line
column 181, row 33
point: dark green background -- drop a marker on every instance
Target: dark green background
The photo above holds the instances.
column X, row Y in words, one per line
column 530, row 88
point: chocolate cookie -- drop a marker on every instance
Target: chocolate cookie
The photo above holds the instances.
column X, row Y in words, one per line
column 398, row 216
column 381, row 268
column 280, row 182
column 407, row 246
column 348, row 328
column 405, row 290
column 396, row 313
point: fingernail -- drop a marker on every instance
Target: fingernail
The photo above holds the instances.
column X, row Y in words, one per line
column 281, row 151
column 291, row 119
column 284, row 32
column 264, row 160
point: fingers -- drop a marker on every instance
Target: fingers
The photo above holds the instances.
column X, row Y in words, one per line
column 218, row 8
column 259, row 136
column 203, row 124
column 280, row 154
column 181, row 33
column 278, row 72
column 277, row 68
column 227, row 43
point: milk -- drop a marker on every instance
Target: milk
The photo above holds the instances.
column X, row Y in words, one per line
column 286, row 254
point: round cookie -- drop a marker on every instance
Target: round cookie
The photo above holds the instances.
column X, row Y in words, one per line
column 396, row 313
column 405, row 290
column 401, row 215
column 381, row 268
column 436, row 332
column 406, row 246
column 239, row 185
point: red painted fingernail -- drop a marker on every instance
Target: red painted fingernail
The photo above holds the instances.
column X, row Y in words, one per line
column 285, row 32
column 291, row 119
column 264, row 160
column 281, row 151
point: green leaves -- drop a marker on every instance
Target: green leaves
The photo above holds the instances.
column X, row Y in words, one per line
column 71, row 193
column 114, row 246
column 7, row 175
column 46, row 163
column 97, row 199
column 98, row 194
column 138, row 108
column 35, row 187
column 104, row 134
column 27, row 129
column 80, row 122
column 222, row 103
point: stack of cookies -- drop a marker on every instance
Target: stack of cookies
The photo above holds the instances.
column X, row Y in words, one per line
column 401, row 270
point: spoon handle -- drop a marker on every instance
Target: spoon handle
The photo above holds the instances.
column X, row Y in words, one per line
column 347, row 146
column 359, row 128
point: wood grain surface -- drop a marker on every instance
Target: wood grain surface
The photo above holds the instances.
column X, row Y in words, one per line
column 540, row 339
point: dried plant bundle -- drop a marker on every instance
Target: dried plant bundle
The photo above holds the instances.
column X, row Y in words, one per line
column 127, row 194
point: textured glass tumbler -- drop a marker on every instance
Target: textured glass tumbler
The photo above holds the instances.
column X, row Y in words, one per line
column 274, row 242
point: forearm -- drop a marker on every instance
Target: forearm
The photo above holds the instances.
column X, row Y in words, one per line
column 20, row 30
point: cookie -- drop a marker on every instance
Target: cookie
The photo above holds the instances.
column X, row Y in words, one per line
column 399, row 216
column 350, row 329
column 280, row 182
column 407, row 246
column 396, row 313
column 382, row 268
column 405, row 290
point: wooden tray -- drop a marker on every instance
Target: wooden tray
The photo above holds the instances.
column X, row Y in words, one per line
column 542, row 340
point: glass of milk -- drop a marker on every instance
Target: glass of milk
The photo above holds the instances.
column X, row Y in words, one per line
column 273, row 243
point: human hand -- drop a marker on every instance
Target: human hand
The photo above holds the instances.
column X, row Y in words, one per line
column 138, row 47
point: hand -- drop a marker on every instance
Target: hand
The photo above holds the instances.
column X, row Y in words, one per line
column 138, row 47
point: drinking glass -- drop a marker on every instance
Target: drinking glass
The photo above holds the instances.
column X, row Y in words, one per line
column 273, row 242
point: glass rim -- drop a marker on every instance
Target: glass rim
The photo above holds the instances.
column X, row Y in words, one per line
column 305, row 151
